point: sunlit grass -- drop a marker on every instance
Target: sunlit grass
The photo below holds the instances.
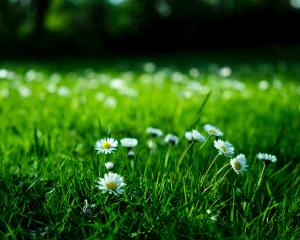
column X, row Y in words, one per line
column 52, row 116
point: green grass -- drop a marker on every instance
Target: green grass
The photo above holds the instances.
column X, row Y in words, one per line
column 49, row 165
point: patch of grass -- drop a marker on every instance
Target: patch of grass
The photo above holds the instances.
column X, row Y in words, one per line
column 51, row 116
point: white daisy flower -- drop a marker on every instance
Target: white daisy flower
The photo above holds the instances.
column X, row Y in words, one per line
column 64, row 91
column 112, row 183
column 263, row 85
column 171, row 139
column 155, row 132
column 31, row 75
column 109, row 165
column 24, row 91
column 110, row 102
column 100, row 96
column 106, row 145
column 194, row 72
column 194, row 135
column 213, row 131
column 186, row 94
column 225, row 72
column 224, row 147
column 117, row 84
column 129, row 142
column 239, row 163
column 149, row 67
column 267, row 157
column 51, row 88
column 3, row 73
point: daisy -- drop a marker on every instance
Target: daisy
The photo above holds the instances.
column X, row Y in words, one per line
column 154, row 132
column 106, row 145
column 129, row 142
column 109, row 165
column 149, row 67
column 25, row 92
column 263, row 85
column 224, row 148
column 225, row 72
column 194, row 135
column 239, row 163
column 171, row 139
column 213, row 131
column 64, row 91
column 267, row 157
column 110, row 102
column 112, row 183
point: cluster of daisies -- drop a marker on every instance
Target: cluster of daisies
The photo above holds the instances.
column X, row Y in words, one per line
column 113, row 183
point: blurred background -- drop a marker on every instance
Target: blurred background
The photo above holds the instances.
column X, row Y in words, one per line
column 91, row 27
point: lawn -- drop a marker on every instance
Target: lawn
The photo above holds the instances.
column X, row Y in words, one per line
column 53, row 113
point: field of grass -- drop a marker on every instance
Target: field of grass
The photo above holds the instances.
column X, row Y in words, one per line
column 52, row 114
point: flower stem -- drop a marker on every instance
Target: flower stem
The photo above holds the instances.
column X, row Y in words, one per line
column 221, row 169
column 97, row 165
column 203, row 144
column 261, row 176
column 183, row 154
column 259, row 182
column 213, row 161
column 191, row 155
column 167, row 157
column 224, row 176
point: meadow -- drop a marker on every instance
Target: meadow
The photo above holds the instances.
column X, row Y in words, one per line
column 53, row 113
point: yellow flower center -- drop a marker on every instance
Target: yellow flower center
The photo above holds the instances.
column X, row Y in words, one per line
column 111, row 185
column 212, row 131
column 106, row 145
column 223, row 148
column 237, row 166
